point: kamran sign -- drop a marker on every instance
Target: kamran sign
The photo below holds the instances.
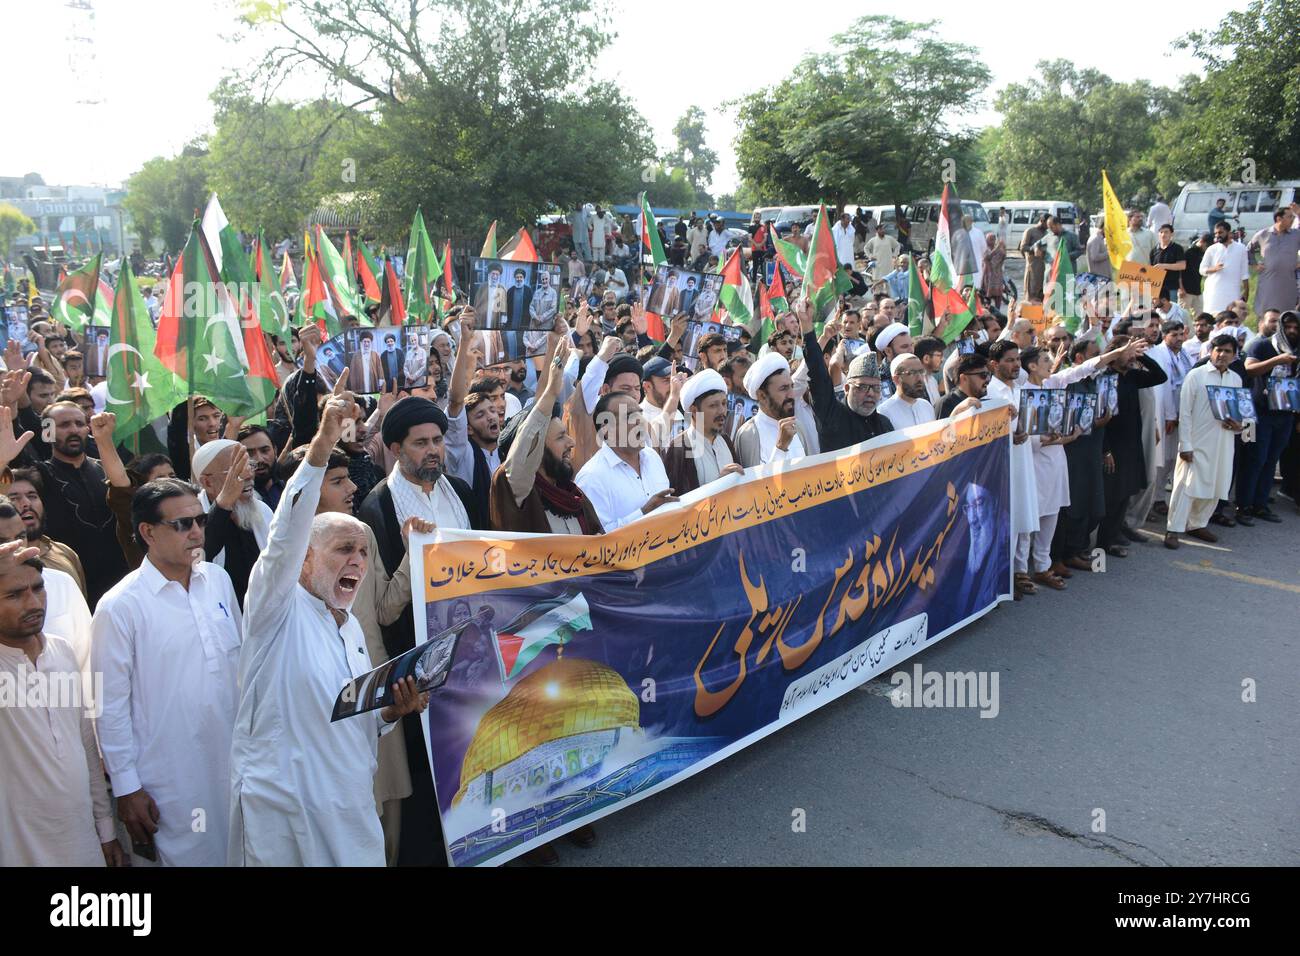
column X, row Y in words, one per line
column 597, row 671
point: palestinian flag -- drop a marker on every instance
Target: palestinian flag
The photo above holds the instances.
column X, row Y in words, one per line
column 766, row 313
column 520, row 248
column 489, row 250
column 822, row 278
column 736, row 296
column 74, row 300
column 1058, row 291
column 138, row 387
column 650, row 240
column 199, row 338
column 338, row 283
column 287, row 278
column 315, row 304
column 390, row 300
column 788, row 254
column 552, row 621
column 777, row 294
column 957, row 258
column 369, row 272
column 918, row 298
column 420, row 280
column 945, row 299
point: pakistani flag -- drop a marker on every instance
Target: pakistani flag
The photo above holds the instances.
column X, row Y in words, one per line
column 553, row 621
column 74, row 300
column 199, row 337
column 917, row 297
column 1059, row 293
column 139, row 388
column 255, row 300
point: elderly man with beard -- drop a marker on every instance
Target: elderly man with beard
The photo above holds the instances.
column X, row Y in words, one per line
column 302, row 788
column 534, row 491
column 846, row 423
column 413, row 433
column 982, row 580
column 239, row 522
column 77, row 512
column 702, row 453
column 25, row 492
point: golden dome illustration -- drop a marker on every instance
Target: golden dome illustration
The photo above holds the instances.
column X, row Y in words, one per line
column 566, row 697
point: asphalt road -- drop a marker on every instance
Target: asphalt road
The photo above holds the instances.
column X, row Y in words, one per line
column 1122, row 694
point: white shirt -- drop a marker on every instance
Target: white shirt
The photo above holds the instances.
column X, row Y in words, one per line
column 54, row 806
column 902, row 413
column 769, row 430
column 1158, row 215
column 615, row 489
column 442, row 505
column 170, row 664
column 654, row 419
column 718, row 243
column 67, row 614
column 1222, row 288
column 843, row 236
column 1144, row 241
column 302, row 788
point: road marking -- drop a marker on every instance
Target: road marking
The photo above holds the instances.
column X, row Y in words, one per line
column 1184, row 539
column 1205, row 568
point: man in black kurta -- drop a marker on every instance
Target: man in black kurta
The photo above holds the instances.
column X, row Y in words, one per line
column 1124, row 469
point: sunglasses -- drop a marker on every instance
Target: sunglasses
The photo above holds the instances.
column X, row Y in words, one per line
column 182, row 525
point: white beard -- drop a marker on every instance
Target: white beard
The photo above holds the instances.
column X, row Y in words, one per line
column 249, row 517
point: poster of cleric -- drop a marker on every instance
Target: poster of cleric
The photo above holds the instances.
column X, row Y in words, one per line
column 584, row 682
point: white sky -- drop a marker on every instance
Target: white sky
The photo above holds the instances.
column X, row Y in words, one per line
column 155, row 62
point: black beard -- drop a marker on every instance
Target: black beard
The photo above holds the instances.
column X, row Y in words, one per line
column 557, row 469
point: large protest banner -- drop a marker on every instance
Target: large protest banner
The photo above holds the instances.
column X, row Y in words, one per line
column 600, row 670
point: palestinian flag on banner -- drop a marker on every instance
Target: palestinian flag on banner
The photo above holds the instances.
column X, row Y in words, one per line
column 520, row 248
column 650, row 240
column 918, row 299
column 74, row 299
column 390, row 297
column 199, row 337
column 338, row 283
column 1059, row 292
column 736, row 296
column 369, row 272
column 420, row 280
column 822, row 278
column 489, row 250
column 552, row 621
column 138, row 387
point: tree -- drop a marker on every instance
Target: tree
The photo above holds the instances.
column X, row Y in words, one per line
column 164, row 196
column 871, row 121
column 695, row 158
column 266, row 160
column 670, row 189
column 13, row 223
column 494, row 120
column 1061, row 129
column 1243, row 118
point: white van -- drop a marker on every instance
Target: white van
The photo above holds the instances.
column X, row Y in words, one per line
column 789, row 216
column 1249, row 205
column 768, row 213
column 1026, row 212
column 924, row 217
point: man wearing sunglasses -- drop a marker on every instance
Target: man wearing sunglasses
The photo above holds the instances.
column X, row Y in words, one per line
column 166, row 639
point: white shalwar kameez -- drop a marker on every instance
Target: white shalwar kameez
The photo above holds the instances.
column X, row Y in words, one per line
column 1024, row 486
column 302, row 788
column 1200, row 484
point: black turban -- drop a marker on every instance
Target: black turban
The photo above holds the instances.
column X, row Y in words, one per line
column 623, row 363
column 406, row 414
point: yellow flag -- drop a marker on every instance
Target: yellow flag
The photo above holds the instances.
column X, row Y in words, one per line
column 1118, row 242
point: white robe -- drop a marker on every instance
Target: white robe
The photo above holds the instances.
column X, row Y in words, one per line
column 1024, row 484
column 302, row 788
column 1209, row 474
column 1222, row 288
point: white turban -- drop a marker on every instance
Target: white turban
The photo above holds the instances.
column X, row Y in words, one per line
column 699, row 384
column 888, row 334
column 762, row 370
column 207, row 453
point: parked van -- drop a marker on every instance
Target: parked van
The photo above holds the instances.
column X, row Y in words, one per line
column 924, row 217
column 883, row 214
column 1249, row 205
column 789, row 216
column 1026, row 212
column 768, row 213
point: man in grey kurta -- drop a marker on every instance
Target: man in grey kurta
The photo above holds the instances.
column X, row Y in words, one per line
column 1277, row 248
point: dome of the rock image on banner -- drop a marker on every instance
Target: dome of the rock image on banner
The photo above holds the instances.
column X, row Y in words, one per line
column 555, row 723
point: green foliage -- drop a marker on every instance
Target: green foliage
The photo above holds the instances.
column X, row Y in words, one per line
column 691, row 154
column 267, row 161
column 165, row 195
column 871, row 121
column 13, row 223
column 671, row 189
column 1248, row 104
column 1062, row 128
